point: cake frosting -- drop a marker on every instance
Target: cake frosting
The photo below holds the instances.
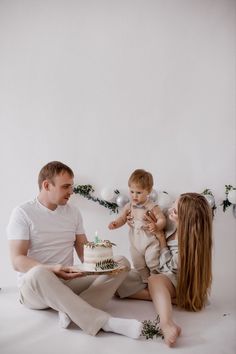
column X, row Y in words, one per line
column 99, row 255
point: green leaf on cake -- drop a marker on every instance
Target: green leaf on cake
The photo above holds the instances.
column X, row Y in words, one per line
column 106, row 264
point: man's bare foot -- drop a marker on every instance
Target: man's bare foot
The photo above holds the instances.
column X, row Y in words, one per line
column 170, row 332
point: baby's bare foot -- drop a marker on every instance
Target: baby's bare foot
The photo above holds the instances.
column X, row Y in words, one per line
column 171, row 332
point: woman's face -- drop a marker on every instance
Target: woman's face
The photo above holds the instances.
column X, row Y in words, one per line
column 173, row 212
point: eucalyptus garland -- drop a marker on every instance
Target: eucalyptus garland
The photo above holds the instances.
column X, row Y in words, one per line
column 208, row 192
column 226, row 203
column 86, row 192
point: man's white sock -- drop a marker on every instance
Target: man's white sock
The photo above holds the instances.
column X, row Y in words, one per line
column 64, row 319
column 127, row 327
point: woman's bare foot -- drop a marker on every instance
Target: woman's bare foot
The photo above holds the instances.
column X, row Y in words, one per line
column 170, row 332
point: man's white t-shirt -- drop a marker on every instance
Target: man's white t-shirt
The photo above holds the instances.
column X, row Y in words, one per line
column 51, row 232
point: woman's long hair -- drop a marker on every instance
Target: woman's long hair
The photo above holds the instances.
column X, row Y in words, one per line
column 195, row 251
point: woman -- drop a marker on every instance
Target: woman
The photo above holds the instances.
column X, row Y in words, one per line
column 185, row 268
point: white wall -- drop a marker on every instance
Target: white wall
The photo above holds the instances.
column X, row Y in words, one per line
column 110, row 86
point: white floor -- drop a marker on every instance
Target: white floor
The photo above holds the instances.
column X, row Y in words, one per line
column 213, row 330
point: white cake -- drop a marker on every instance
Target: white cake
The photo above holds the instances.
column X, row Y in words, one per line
column 99, row 254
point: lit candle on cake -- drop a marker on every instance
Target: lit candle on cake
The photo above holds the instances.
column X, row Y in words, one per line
column 96, row 239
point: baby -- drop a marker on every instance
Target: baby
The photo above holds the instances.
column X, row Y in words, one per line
column 144, row 246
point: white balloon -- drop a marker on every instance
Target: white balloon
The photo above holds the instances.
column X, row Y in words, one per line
column 164, row 200
column 153, row 195
column 121, row 200
column 232, row 196
column 211, row 200
column 107, row 194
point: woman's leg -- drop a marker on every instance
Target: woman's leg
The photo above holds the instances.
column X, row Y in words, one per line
column 162, row 291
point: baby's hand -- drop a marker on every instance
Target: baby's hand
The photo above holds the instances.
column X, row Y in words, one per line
column 112, row 225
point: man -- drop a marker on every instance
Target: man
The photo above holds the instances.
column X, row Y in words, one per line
column 43, row 234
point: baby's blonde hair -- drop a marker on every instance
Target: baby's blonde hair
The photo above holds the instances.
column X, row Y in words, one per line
column 142, row 178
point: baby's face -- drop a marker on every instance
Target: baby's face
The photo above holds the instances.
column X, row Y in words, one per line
column 138, row 195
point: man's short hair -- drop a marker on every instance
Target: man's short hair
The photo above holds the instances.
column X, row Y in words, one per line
column 51, row 170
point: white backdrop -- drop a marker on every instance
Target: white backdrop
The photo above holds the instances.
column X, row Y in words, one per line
column 110, row 86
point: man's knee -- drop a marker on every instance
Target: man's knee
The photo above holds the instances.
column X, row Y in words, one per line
column 37, row 273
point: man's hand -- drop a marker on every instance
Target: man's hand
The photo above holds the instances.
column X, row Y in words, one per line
column 66, row 272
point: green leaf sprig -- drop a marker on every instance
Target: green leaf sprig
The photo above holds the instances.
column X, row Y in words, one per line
column 226, row 203
column 86, row 190
column 106, row 264
column 152, row 329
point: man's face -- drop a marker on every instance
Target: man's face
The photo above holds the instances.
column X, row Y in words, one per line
column 60, row 189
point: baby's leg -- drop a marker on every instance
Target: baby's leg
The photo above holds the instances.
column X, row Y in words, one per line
column 139, row 263
column 152, row 255
column 161, row 291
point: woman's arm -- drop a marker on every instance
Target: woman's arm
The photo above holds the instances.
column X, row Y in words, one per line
column 168, row 254
column 160, row 235
column 160, row 217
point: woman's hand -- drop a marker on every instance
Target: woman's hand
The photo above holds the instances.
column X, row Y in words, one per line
column 150, row 216
column 150, row 220
column 129, row 218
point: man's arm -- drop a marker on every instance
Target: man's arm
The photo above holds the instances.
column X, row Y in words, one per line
column 18, row 253
column 80, row 240
column 22, row 263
